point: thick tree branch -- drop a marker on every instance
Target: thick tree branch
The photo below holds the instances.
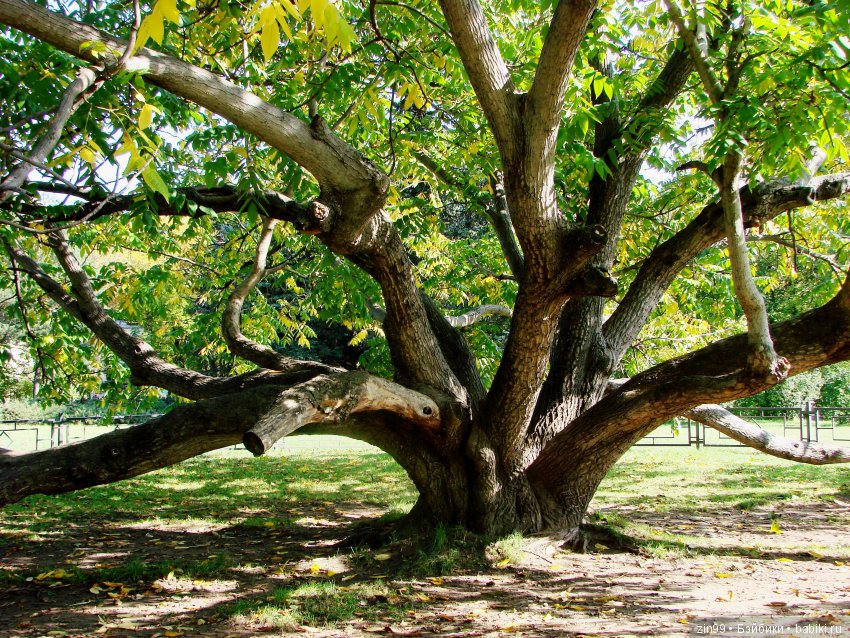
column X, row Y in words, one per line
column 717, row 417
column 544, row 102
column 714, row 374
column 667, row 260
column 763, row 357
column 332, row 399
column 580, row 357
column 186, row 431
column 415, row 349
column 258, row 414
column 193, row 202
column 488, row 73
column 478, row 314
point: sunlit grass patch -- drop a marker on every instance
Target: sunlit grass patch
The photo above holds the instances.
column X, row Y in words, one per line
column 506, row 551
column 320, row 603
column 710, row 479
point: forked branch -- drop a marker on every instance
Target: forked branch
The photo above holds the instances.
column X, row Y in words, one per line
column 668, row 259
column 238, row 343
column 763, row 357
column 488, row 73
column 146, row 366
column 716, row 373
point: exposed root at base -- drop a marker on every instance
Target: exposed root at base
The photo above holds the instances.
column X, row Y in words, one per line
column 586, row 538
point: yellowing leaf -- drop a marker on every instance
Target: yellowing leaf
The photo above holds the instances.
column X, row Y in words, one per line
column 168, row 9
column 383, row 556
column 291, row 9
column 151, row 27
column 282, row 20
column 57, row 574
column 269, row 39
column 436, row 581
column 722, row 575
column 88, row 156
column 146, row 115
column 784, row 560
column 774, row 527
column 315, row 568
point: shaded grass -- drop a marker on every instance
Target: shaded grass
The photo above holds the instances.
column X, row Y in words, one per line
column 274, row 493
column 133, row 570
column 220, row 491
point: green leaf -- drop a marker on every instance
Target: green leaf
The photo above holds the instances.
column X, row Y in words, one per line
column 154, row 181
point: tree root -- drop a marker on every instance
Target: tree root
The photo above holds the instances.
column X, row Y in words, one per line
column 592, row 538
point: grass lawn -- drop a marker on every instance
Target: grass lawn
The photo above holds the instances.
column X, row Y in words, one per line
column 226, row 543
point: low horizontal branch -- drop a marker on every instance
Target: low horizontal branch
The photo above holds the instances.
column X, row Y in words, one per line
column 751, row 435
column 265, row 413
column 332, row 399
column 185, row 432
column 191, row 201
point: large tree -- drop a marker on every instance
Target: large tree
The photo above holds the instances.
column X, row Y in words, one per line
column 288, row 164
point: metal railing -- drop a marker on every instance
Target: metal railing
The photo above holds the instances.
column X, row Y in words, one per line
column 808, row 423
column 38, row 434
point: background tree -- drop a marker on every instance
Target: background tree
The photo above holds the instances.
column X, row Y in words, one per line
column 281, row 163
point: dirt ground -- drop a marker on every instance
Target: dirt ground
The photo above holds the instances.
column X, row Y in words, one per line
column 733, row 589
